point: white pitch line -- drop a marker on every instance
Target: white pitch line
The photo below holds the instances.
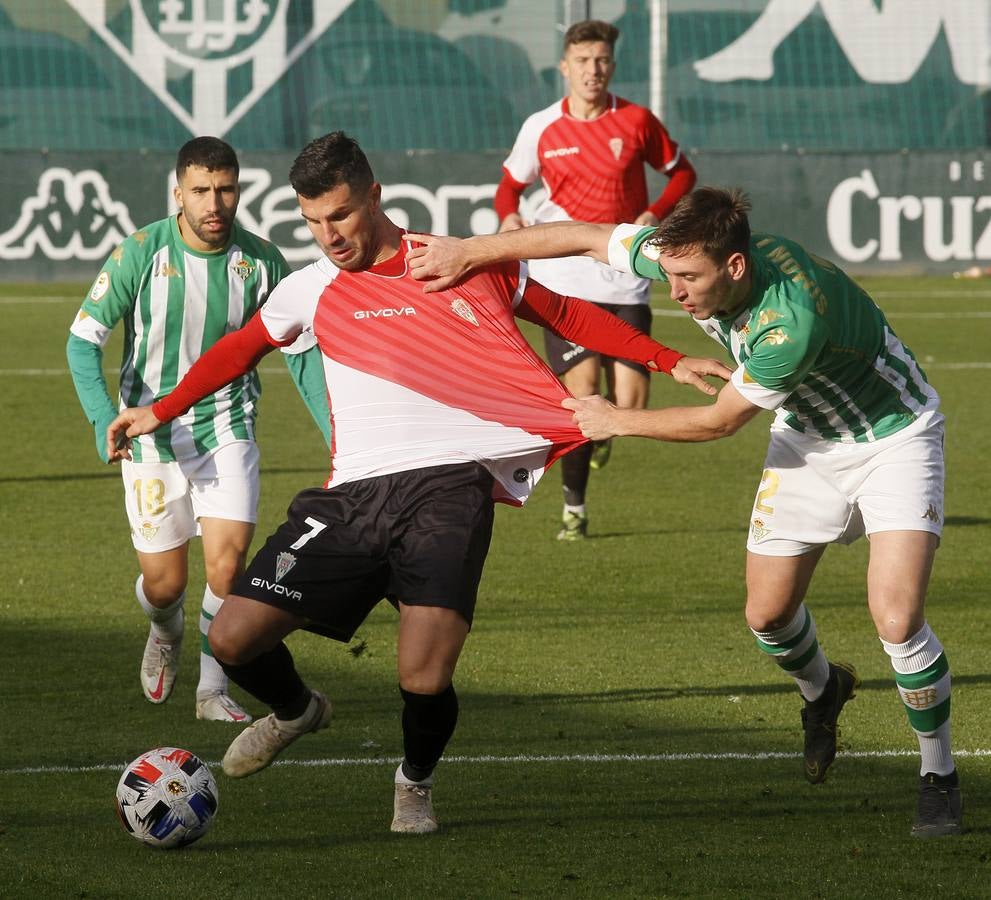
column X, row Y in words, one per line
column 357, row 762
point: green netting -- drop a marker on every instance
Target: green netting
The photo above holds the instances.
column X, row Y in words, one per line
column 461, row 75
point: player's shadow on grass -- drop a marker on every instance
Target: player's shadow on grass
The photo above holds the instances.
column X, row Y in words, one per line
column 966, row 520
column 638, row 695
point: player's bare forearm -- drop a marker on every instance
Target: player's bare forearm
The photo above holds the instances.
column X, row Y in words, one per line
column 690, row 370
column 133, row 421
column 444, row 261
column 600, row 420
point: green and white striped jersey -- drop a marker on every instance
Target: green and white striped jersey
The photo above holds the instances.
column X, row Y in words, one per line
column 175, row 303
column 810, row 343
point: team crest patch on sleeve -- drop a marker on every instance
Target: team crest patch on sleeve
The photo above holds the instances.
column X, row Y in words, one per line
column 650, row 251
column 283, row 563
column 243, row 269
column 100, row 287
column 461, row 308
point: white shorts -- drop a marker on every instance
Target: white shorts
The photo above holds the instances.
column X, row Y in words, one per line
column 815, row 492
column 165, row 501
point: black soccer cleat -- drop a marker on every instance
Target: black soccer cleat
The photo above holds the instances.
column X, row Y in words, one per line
column 940, row 810
column 819, row 719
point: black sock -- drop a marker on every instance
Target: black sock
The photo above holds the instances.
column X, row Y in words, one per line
column 273, row 679
column 574, row 474
column 428, row 723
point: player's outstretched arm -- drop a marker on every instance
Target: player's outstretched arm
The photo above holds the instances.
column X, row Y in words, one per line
column 600, row 420
column 133, row 421
column 232, row 356
column 444, row 261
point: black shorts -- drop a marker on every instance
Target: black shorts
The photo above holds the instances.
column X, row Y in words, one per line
column 563, row 355
column 420, row 537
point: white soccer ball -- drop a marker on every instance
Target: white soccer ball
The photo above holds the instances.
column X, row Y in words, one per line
column 167, row 798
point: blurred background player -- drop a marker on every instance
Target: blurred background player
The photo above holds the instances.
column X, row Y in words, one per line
column 590, row 149
column 179, row 285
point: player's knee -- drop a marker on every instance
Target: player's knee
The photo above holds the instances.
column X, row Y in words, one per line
column 764, row 619
column 225, row 646
column 163, row 589
column 221, row 574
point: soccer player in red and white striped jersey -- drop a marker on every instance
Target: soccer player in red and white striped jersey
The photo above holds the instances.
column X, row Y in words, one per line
column 590, row 150
column 438, row 407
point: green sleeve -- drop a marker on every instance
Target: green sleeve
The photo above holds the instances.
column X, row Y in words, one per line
column 644, row 259
column 307, row 374
column 784, row 346
column 86, row 366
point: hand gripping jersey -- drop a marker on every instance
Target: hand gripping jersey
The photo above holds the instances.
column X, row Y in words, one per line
column 176, row 302
column 417, row 380
column 810, row 343
column 593, row 171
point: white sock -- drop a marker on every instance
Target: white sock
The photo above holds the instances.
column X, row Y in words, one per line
column 402, row 779
column 922, row 675
column 796, row 650
column 577, row 510
column 212, row 677
column 166, row 622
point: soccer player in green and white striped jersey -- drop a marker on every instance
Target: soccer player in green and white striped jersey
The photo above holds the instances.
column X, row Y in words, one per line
column 179, row 285
column 856, row 445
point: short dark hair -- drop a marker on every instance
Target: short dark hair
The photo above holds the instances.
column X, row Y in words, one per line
column 328, row 161
column 709, row 220
column 591, row 30
column 209, row 152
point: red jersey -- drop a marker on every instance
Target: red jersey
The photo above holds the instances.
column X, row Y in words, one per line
column 593, row 169
column 417, row 380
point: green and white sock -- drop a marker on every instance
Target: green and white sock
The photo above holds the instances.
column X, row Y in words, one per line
column 922, row 675
column 796, row 650
column 212, row 677
column 166, row 622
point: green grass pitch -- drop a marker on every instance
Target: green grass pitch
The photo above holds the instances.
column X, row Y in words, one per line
column 620, row 734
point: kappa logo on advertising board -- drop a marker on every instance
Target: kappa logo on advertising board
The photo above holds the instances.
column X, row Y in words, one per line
column 71, row 215
column 206, row 42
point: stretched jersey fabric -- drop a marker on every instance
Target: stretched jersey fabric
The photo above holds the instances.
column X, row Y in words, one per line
column 418, row 380
column 175, row 302
column 810, row 343
column 593, row 171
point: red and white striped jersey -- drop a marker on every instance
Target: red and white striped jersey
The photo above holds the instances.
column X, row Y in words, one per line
column 417, row 380
column 593, row 171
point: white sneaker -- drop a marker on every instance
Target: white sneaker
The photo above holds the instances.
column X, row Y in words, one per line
column 413, row 808
column 257, row 746
column 216, row 706
column 159, row 667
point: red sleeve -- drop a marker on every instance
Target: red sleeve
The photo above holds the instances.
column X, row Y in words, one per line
column 233, row 355
column 507, row 196
column 584, row 323
column 682, row 180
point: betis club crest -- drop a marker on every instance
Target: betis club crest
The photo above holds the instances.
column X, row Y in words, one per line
column 168, row 41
